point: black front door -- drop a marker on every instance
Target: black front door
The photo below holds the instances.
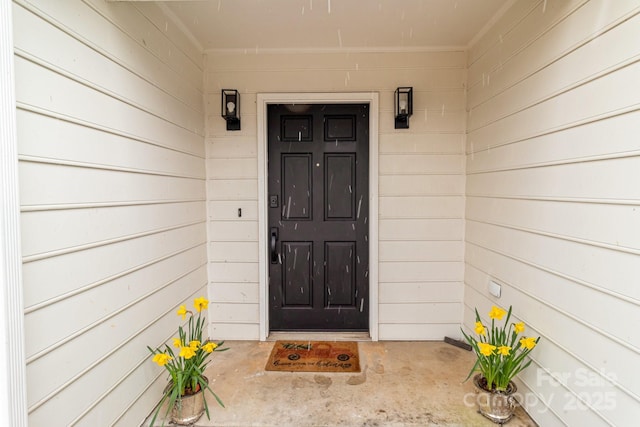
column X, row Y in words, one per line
column 318, row 217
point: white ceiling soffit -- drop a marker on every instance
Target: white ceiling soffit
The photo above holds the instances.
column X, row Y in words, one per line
column 334, row 25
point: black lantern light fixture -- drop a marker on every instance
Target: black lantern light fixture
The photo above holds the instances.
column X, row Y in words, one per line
column 403, row 107
column 231, row 108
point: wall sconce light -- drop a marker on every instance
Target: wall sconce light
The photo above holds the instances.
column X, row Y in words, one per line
column 403, row 107
column 231, row 108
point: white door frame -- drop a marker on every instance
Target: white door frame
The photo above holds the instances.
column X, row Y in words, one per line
column 264, row 99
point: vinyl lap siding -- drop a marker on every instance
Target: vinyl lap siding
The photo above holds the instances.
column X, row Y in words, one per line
column 553, row 206
column 421, row 182
column 112, row 190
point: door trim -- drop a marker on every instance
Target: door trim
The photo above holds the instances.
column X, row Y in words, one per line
column 13, row 403
column 264, row 99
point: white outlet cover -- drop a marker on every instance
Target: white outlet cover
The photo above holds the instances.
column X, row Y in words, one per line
column 494, row 289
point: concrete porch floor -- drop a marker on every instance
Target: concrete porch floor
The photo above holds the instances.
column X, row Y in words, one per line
column 400, row 384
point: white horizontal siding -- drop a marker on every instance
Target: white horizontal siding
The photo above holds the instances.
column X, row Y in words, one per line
column 125, row 257
column 612, row 179
column 611, row 272
column 573, row 144
column 434, row 313
column 52, row 183
column 76, row 228
column 511, row 20
column 352, row 80
column 560, row 291
column 553, row 209
column 426, row 250
column 54, row 94
column 275, row 61
column 427, row 144
column 100, row 71
column 413, row 164
column 77, row 353
column 421, row 229
column 557, row 218
column 113, row 198
column 95, row 28
column 48, row 138
column 421, row 185
column 434, row 292
column 241, row 272
column 228, row 292
column 233, row 189
column 422, row 207
column 99, row 302
column 567, row 73
column 421, row 181
column 417, row 331
column 563, row 111
column 233, row 251
column 532, row 45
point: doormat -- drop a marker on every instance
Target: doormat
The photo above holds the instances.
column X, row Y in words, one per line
column 314, row 356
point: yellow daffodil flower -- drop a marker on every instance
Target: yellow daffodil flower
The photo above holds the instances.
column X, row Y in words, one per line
column 200, row 303
column 528, row 343
column 504, row 350
column 187, row 352
column 497, row 313
column 486, row 349
column 209, row 347
column 182, row 311
column 161, row 359
column 185, row 356
column 500, row 346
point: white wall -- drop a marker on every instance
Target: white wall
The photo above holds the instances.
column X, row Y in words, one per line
column 421, row 182
column 553, row 201
column 110, row 124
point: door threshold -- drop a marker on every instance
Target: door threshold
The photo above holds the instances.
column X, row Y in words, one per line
column 319, row 336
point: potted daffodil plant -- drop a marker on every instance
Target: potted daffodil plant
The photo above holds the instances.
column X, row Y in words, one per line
column 186, row 365
column 501, row 353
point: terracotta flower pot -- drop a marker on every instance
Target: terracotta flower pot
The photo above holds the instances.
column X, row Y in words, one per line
column 498, row 406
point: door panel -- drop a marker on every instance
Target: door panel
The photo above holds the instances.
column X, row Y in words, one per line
column 339, row 185
column 297, row 272
column 296, row 178
column 318, row 212
column 341, row 288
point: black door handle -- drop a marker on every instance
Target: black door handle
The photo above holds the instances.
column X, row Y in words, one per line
column 273, row 240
